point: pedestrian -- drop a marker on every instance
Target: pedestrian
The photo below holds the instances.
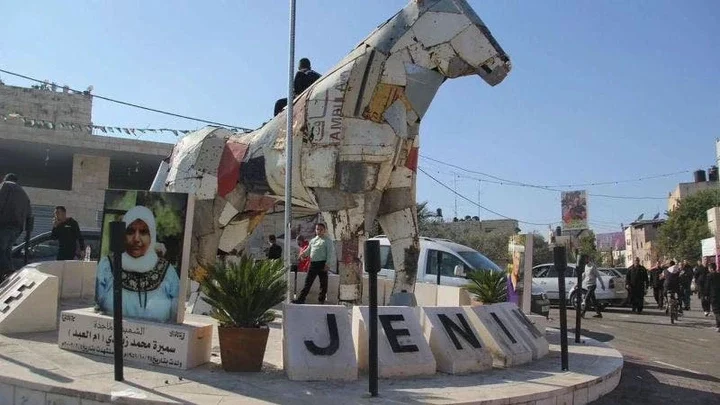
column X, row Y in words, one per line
column 686, row 277
column 671, row 283
column 15, row 212
column 590, row 280
column 67, row 232
column 320, row 252
column 303, row 262
column 656, row 283
column 712, row 289
column 635, row 282
column 274, row 251
column 304, row 78
column 700, row 274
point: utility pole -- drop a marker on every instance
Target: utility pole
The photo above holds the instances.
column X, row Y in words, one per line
column 479, row 210
column 455, row 189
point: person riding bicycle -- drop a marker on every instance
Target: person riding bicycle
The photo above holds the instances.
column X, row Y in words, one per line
column 671, row 285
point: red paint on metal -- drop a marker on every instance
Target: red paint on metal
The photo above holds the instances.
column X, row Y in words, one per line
column 412, row 160
column 229, row 168
column 350, row 250
column 257, row 202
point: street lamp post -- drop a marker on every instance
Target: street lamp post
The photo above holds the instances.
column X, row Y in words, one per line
column 289, row 150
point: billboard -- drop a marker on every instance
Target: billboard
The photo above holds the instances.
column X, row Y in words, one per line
column 155, row 258
column 574, row 206
column 606, row 242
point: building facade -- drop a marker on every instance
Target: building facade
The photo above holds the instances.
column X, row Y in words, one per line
column 488, row 226
column 687, row 189
column 640, row 237
column 46, row 139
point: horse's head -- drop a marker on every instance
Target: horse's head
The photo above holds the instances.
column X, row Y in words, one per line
column 446, row 36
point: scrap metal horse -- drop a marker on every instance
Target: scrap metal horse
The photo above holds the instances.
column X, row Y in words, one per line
column 356, row 150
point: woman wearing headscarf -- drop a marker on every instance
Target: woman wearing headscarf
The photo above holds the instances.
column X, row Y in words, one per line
column 150, row 283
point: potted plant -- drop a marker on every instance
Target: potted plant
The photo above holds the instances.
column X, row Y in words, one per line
column 242, row 295
column 488, row 286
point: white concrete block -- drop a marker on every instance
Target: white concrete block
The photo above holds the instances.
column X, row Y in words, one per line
column 28, row 302
column 580, row 396
column 76, row 279
column 318, row 343
column 402, row 349
column 494, row 329
column 426, row 294
column 24, row 396
column 57, row 399
column 312, row 297
column 455, row 344
column 539, row 321
column 180, row 346
column 451, row 296
column 522, row 327
column 366, row 292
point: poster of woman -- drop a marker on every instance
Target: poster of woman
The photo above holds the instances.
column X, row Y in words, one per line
column 574, row 209
column 156, row 251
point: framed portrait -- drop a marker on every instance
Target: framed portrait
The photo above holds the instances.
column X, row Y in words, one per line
column 154, row 263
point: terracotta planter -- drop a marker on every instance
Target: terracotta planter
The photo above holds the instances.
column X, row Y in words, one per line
column 242, row 349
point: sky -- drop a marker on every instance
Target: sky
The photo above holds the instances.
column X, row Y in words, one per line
column 600, row 91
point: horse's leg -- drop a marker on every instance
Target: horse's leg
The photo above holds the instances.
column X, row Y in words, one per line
column 398, row 219
column 348, row 227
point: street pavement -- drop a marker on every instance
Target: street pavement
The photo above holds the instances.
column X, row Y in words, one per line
column 664, row 363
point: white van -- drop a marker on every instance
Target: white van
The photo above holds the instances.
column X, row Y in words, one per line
column 438, row 257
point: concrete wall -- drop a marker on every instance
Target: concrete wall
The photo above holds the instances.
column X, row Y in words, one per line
column 687, row 189
column 485, row 227
column 713, row 217
column 45, row 104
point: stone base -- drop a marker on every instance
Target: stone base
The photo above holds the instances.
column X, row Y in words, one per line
column 28, row 302
column 76, row 278
column 179, row 346
column 497, row 332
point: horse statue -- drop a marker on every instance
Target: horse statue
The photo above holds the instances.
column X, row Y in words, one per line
column 355, row 143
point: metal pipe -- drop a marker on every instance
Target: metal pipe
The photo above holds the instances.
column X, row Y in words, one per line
column 372, row 265
column 560, row 261
column 289, row 150
column 117, row 247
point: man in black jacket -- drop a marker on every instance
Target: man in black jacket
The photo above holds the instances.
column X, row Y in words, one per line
column 657, row 284
column 304, row 78
column 67, row 232
column 700, row 273
column 686, row 277
column 274, row 251
column 636, row 280
column 712, row 290
column 14, row 213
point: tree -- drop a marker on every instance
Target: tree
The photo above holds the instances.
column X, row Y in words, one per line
column 679, row 237
column 588, row 246
column 541, row 250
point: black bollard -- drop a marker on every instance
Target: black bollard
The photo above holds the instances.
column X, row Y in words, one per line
column 579, row 269
column 29, row 225
column 560, row 261
column 372, row 266
column 117, row 247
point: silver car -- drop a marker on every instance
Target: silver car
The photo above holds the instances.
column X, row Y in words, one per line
column 546, row 276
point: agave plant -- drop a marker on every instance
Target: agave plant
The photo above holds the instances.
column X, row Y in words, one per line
column 488, row 286
column 241, row 294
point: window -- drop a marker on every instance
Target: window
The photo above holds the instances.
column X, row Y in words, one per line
column 551, row 272
column 386, row 260
column 540, row 271
column 447, row 263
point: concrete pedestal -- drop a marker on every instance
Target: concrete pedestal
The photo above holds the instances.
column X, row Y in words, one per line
column 522, row 326
column 317, row 343
column 28, row 302
column 76, row 278
column 402, row 349
column 497, row 332
column 456, row 345
column 179, row 346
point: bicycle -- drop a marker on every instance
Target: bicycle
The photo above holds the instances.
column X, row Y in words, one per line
column 674, row 307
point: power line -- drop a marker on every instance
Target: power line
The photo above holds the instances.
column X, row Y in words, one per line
column 475, row 203
column 600, row 183
column 547, row 188
column 125, row 103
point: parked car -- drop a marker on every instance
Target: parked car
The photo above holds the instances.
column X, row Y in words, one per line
column 44, row 248
column 614, row 293
column 448, row 258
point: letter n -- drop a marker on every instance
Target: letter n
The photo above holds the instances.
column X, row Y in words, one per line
column 464, row 330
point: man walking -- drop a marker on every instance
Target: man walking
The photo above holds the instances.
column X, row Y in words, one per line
column 14, row 212
column 635, row 281
column 67, row 232
column 592, row 275
column 700, row 273
column 321, row 251
column 274, row 251
column 686, row 277
column 657, row 284
column 712, row 290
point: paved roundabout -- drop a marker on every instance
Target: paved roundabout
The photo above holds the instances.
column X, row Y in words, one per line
column 33, row 370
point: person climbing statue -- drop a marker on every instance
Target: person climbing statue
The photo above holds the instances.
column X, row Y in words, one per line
column 304, row 78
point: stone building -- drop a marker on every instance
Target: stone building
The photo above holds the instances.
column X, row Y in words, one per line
column 46, row 139
column 640, row 242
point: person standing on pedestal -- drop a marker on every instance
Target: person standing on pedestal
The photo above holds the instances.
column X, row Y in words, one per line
column 321, row 252
column 14, row 213
column 67, row 232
